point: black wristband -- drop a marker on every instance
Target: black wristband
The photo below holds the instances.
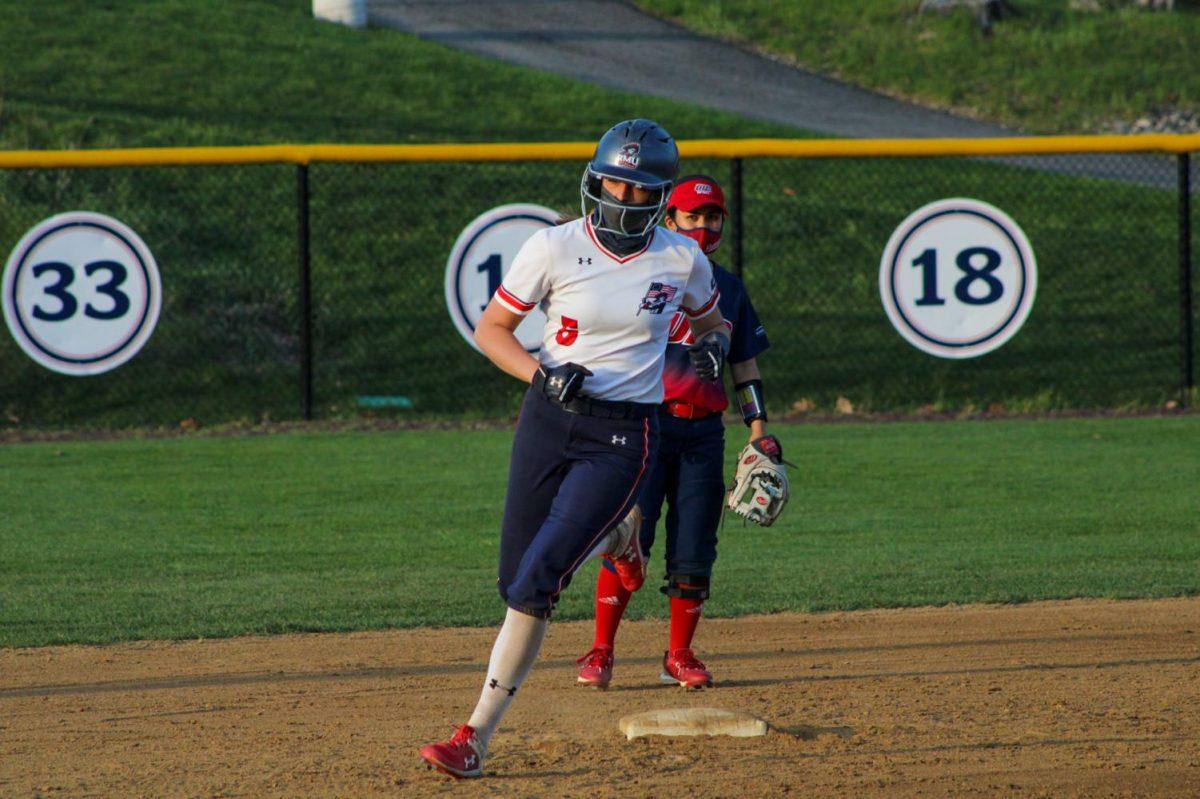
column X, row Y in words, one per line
column 750, row 397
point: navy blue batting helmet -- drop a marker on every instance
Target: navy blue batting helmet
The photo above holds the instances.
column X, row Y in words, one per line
column 639, row 152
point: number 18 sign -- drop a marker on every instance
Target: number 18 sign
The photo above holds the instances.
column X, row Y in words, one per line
column 479, row 260
column 958, row 278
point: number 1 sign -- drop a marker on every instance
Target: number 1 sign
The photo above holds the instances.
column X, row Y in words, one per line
column 958, row 278
column 481, row 256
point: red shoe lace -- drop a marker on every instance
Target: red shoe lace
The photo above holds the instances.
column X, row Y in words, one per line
column 686, row 659
column 462, row 736
column 598, row 657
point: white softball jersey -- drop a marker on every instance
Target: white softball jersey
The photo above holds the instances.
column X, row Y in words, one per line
column 607, row 312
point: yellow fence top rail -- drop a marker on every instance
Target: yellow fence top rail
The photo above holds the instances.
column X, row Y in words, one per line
column 581, row 151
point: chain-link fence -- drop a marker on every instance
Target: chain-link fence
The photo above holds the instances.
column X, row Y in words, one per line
column 1109, row 329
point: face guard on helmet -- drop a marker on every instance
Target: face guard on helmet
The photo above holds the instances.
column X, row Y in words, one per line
column 638, row 152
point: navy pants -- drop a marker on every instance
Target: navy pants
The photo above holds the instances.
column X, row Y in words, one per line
column 689, row 475
column 571, row 478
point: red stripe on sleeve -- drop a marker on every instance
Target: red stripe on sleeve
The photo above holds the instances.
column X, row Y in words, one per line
column 513, row 302
column 705, row 308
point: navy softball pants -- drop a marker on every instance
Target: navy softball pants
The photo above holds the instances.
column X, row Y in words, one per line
column 689, row 475
column 571, row 478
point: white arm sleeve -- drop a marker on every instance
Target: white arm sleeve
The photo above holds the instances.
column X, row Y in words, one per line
column 700, row 294
column 528, row 281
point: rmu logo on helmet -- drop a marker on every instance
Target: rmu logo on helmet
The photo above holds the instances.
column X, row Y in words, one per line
column 629, row 155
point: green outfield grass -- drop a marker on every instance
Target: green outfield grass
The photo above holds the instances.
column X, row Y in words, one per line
column 206, row 537
column 1054, row 69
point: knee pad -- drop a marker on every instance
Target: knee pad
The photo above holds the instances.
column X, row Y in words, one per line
column 686, row 586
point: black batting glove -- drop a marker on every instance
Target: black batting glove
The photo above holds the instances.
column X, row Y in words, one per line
column 708, row 355
column 561, row 383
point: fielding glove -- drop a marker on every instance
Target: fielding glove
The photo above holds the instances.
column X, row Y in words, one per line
column 760, row 485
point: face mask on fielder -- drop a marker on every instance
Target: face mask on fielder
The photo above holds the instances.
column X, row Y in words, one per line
column 708, row 239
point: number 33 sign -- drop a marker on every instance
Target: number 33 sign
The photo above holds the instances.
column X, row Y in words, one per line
column 481, row 257
column 81, row 293
column 958, row 278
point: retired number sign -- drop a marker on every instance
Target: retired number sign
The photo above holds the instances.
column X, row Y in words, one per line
column 958, row 278
column 481, row 257
column 81, row 293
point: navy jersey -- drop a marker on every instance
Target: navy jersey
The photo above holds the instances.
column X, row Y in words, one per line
column 747, row 340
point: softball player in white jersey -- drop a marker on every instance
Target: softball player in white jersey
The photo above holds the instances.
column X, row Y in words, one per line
column 588, row 432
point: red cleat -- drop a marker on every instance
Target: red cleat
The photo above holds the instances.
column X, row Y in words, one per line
column 595, row 670
column 630, row 561
column 461, row 756
column 683, row 667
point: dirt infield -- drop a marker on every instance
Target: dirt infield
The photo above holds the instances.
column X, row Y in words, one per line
column 1078, row 698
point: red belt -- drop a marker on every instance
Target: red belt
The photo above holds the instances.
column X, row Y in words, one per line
column 686, row 410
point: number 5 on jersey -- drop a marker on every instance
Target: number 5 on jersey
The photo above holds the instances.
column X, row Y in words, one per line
column 568, row 332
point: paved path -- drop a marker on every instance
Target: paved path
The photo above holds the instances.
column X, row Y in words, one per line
column 583, row 39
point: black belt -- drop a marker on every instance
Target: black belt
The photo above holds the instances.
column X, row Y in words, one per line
column 609, row 409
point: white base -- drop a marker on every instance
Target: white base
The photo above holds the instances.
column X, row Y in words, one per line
column 692, row 721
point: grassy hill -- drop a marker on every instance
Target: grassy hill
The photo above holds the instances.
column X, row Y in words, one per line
column 82, row 73
column 1053, row 69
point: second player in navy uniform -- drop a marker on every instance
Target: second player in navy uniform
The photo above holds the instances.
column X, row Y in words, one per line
column 689, row 471
column 609, row 283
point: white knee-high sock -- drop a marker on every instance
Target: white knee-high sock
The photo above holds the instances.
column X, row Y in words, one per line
column 516, row 649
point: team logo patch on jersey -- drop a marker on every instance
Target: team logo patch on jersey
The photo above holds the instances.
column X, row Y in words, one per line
column 657, row 297
column 629, row 155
